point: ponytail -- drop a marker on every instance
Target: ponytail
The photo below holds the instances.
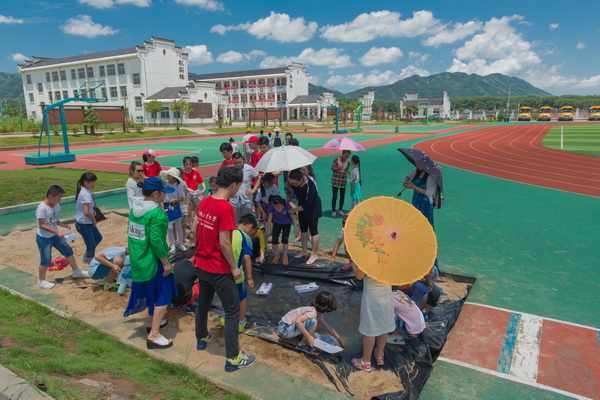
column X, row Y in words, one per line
column 144, row 157
column 268, row 177
column 85, row 177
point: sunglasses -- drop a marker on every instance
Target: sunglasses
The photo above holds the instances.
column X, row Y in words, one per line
column 139, row 170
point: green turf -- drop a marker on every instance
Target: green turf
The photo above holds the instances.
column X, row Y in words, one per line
column 579, row 139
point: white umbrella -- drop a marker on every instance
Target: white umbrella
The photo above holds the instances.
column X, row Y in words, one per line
column 284, row 159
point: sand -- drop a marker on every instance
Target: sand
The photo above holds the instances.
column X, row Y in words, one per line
column 105, row 309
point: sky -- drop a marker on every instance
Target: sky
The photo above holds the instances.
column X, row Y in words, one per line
column 344, row 45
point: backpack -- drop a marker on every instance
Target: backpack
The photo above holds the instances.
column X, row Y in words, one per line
column 277, row 140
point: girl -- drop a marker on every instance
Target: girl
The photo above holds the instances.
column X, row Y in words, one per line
column 234, row 146
column 280, row 217
column 376, row 319
column 151, row 166
column 309, row 211
column 136, row 173
column 85, row 217
column 277, row 138
column 172, row 205
column 356, row 181
column 267, row 189
column 153, row 284
column 194, row 182
column 303, row 321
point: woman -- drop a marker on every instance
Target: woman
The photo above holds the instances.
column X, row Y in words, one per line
column 153, row 284
column 136, row 175
column 341, row 169
column 85, row 217
column 424, row 187
column 309, row 211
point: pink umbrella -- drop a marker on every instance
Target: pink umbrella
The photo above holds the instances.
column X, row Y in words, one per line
column 344, row 143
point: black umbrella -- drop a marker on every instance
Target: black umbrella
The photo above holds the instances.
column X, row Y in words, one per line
column 419, row 157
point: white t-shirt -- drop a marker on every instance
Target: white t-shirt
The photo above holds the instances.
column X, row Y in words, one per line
column 272, row 191
column 236, row 148
column 50, row 215
column 293, row 315
column 177, row 194
column 409, row 312
column 241, row 197
column 133, row 191
column 247, row 148
column 355, row 175
column 85, row 197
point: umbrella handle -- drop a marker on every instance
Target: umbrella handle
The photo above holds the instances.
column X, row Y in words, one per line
column 400, row 194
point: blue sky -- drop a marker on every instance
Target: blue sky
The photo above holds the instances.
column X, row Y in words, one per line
column 345, row 45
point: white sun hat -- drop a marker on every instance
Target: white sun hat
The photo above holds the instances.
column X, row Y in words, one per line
column 174, row 172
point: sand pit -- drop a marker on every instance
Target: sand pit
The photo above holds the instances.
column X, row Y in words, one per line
column 105, row 309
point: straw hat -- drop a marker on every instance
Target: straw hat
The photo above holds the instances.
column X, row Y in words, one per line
column 277, row 129
column 174, row 172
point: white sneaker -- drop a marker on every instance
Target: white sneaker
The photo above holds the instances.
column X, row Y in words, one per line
column 173, row 250
column 45, row 284
column 80, row 273
column 181, row 247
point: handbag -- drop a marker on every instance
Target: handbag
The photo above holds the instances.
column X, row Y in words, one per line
column 173, row 211
column 99, row 215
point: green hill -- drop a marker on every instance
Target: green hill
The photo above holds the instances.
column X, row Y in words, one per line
column 457, row 84
column 11, row 89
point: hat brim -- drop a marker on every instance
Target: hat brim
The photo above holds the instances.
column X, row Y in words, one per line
column 168, row 189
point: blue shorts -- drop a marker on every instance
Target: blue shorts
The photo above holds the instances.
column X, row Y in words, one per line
column 291, row 330
column 46, row 244
column 242, row 290
column 98, row 271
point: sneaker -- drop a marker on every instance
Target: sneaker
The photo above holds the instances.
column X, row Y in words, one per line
column 181, row 247
column 45, row 284
column 222, row 321
column 201, row 344
column 284, row 261
column 333, row 214
column 173, row 250
column 242, row 327
column 275, row 259
column 395, row 339
column 113, row 287
column 241, row 361
column 189, row 309
column 84, row 260
column 80, row 273
column 341, row 213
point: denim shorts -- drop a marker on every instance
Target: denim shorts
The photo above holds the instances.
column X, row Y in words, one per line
column 45, row 245
column 291, row 330
column 98, row 271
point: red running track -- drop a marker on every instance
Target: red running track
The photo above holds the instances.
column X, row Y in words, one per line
column 515, row 153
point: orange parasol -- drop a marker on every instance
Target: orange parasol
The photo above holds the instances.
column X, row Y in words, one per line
column 390, row 240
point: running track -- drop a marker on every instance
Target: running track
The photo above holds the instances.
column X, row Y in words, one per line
column 515, row 152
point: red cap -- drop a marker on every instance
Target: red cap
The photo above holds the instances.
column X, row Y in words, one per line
column 252, row 139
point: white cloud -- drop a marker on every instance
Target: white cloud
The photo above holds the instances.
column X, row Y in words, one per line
column 380, row 55
column 233, row 57
column 327, row 57
column 198, row 54
column 459, row 32
column 83, row 25
column 374, row 77
column 580, row 46
column 418, row 58
column 102, row 4
column 18, row 57
column 593, row 81
column 380, row 24
column 498, row 49
column 313, row 79
column 553, row 26
column 210, row 5
column 278, row 27
column 10, row 20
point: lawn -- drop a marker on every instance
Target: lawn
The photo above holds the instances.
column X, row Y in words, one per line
column 81, row 138
column 579, row 139
column 30, row 185
column 44, row 348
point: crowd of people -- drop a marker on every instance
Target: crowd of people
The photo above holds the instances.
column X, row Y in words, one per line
column 221, row 229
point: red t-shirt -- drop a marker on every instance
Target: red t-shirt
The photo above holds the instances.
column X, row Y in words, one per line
column 152, row 170
column 214, row 216
column 192, row 179
column 226, row 163
column 255, row 158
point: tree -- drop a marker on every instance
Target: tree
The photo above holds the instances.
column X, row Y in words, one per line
column 154, row 107
column 410, row 110
column 181, row 108
column 90, row 120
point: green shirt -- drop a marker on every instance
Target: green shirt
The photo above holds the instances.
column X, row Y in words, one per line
column 147, row 240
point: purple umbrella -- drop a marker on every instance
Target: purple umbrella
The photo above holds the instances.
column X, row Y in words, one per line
column 419, row 157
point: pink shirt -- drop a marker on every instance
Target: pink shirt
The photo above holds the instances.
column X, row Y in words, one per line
column 408, row 311
column 292, row 316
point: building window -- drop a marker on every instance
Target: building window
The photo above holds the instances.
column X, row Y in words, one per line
column 121, row 68
column 28, row 79
column 31, row 97
column 90, row 72
column 103, row 92
column 73, row 74
column 153, row 115
column 57, row 95
column 101, row 70
column 50, row 96
column 65, row 94
column 75, row 93
column 113, row 92
column 81, row 73
column 123, row 90
column 110, row 69
column 165, row 112
column 47, row 76
column 63, row 75
column 54, row 76
column 92, row 94
column 33, row 115
column 136, row 79
column 176, row 114
column 138, row 102
column 40, row 87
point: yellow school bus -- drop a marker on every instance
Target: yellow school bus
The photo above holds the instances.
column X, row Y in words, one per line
column 545, row 113
column 566, row 113
column 594, row 113
column 524, row 114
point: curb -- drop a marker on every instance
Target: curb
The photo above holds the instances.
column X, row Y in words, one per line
column 12, row 387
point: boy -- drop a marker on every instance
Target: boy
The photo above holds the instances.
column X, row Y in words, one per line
column 242, row 252
column 242, row 201
column 256, row 154
column 217, row 268
column 188, row 289
column 48, row 236
column 108, row 264
column 213, row 186
column 226, row 150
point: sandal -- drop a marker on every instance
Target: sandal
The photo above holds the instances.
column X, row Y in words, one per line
column 360, row 364
column 163, row 323
column 379, row 360
column 160, row 343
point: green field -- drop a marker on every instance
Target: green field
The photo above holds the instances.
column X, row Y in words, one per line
column 579, row 139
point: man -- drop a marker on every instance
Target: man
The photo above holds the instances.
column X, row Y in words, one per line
column 217, row 268
column 242, row 201
column 264, row 145
column 256, row 153
column 226, row 150
column 247, row 149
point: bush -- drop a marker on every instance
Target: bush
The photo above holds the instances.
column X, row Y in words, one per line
column 75, row 129
column 138, row 128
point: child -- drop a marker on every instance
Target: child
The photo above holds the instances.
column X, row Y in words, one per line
column 48, row 236
column 259, row 244
column 303, row 321
column 226, row 150
column 242, row 252
column 85, row 217
column 337, row 245
column 107, row 264
column 172, row 206
column 151, row 166
column 236, row 148
column 356, row 181
column 407, row 316
column 184, row 211
column 277, row 138
column 267, row 189
column 281, row 219
column 212, row 183
column 194, row 182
